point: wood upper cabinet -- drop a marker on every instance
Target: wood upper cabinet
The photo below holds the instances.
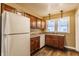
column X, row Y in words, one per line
column 39, row 22
column 7, row 8
column 10, row 9
column 35, row 44
column 33, row 22
column 36, row 23
column 55, row 41
column 43, row 24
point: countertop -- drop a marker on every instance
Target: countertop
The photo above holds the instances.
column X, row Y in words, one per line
column 38, row 34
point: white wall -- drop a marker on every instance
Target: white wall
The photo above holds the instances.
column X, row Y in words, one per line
column 77, row 30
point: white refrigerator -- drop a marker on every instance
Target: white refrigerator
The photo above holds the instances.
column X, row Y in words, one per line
column 15, row 35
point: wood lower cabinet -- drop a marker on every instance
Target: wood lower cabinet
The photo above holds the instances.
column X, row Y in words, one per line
column 48, row 40
column 55, row 41
column 61, row 41
column 35, row 44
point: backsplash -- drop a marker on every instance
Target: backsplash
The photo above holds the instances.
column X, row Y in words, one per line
column 35, row 31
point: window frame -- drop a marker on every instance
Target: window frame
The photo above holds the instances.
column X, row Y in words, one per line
column 56, row 25
column 68, row 25
column 50, row 26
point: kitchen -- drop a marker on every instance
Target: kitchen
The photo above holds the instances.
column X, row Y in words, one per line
column 49, row 32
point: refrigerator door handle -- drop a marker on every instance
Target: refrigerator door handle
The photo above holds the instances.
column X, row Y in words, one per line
column 16, row 33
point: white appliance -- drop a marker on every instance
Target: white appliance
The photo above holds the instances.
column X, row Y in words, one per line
column 77, row 30
column 42, row 40
column 15, row 35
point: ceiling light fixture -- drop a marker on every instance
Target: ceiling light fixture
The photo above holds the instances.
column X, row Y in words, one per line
column 61, row 13
column 49, row 16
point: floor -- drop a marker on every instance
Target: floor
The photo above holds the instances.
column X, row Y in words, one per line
column 48, row 51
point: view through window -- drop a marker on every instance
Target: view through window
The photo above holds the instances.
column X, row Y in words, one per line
column 62, row 25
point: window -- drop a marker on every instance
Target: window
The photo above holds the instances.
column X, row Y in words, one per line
column 50, row 25
column 58, row 25
column 63, row 24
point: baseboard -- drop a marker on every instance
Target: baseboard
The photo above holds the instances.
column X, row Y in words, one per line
column 70, row 47
column 77, row 50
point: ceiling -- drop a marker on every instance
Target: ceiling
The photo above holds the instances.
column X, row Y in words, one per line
column 42, row 9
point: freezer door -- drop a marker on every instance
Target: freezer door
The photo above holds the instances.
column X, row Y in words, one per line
column 17, row 45
column 16, row 23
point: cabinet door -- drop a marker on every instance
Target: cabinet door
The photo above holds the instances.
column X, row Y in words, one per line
column 39, row 23
column 51, row 40
column 61, row 42
column 35, row 44
column 54, row 41
column 32, row 45
column 43, row 24
column 32, row 22
column 48, row 40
